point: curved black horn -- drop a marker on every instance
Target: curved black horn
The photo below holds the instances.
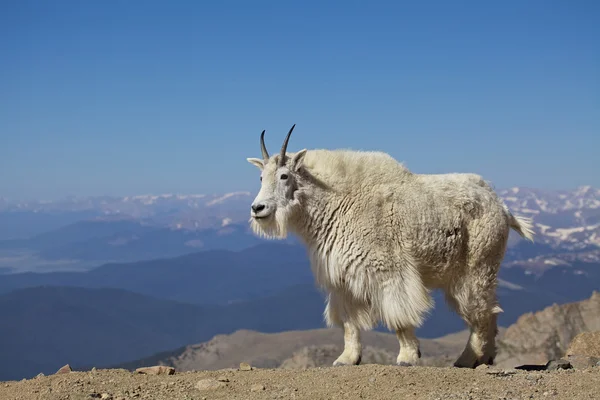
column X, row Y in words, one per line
column 284, row 147
column 263, row 148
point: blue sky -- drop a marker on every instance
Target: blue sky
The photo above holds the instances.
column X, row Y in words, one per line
column 131, row 97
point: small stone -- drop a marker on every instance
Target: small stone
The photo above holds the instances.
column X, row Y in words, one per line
column 245, row 367
column 371, row 380
column 482, row 367
column 65, row 369
column 209, row 384
column 257, row 388
column 554, row 365
column 156, row 370
column 40, row 375
column 598, row 364
column 94, row 369
column 223, row 379
column 106, row 396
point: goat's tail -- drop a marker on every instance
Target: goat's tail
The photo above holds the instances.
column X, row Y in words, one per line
column 523, row 225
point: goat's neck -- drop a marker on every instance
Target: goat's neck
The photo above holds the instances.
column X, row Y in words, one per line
column 318, row 218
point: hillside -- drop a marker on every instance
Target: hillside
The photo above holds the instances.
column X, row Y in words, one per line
column 545, row 335
column 535, row 339
column 294, row 349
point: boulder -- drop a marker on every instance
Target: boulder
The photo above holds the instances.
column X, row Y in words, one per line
column 585, row 344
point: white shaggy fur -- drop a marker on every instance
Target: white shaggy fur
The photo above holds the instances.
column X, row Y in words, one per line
column 380, row 238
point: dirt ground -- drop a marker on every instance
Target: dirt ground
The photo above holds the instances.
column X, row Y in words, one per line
column 353, row 382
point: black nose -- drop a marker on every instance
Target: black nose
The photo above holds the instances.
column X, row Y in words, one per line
column 258, row 207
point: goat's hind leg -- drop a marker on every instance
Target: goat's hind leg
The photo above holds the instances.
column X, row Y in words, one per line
column 476, row 303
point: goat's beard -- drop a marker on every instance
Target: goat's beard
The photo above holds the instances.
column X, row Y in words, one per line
column 275, row 226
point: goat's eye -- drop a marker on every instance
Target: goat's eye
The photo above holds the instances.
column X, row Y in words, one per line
column 283, row 176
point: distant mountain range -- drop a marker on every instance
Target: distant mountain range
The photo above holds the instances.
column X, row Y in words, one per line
column 77, row 233
column 569, row 220
column 189, row 212
column 123, row 241
column 208, row 277
column 224, row 277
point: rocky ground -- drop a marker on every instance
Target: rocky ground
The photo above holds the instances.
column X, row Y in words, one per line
column 353, row 382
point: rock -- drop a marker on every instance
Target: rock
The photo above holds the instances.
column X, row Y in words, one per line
column 156, row 370
column 245, row 367
column 482, row 367
column 554, row 365
column 209, row 384
column 40, row 375
column 65, row 370
column 501, row 372
column 257, row 388
column 585, row 344
column 582, row 362
column 106, row 396
column 223, row 379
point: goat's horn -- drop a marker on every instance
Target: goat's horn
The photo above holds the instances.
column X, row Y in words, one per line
column 284, row 147
column 263, row 148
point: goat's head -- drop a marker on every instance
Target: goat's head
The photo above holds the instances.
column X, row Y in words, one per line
column 277, row 198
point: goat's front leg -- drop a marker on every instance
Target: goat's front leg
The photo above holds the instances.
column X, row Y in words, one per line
column 352, row 347
column 409, row 347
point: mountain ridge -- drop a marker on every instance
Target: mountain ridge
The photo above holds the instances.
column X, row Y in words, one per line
column 535, row 338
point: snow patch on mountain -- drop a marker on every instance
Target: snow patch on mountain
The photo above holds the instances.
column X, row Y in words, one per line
column 226, row 196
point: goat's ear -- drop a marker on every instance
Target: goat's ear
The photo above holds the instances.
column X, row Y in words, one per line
column 298, row 159
column 256, row 162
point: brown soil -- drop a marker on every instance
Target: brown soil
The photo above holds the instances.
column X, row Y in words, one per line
column 356, row 382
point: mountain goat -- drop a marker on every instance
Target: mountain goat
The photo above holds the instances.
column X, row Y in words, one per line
column 380, row 237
